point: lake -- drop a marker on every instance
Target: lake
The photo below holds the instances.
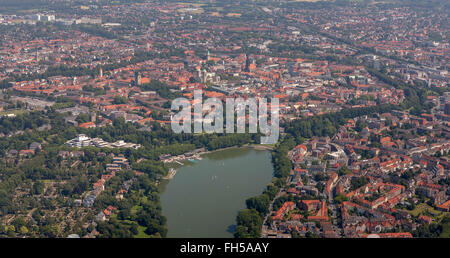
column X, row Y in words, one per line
column 204, row 197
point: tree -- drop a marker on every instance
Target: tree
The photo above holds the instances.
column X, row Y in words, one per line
column 249, row 224
column 344, row 171
column 357, row 182
column 120, row 100
column 259, row 203
column 82, row 118
column 340, row 198
column 38, row 187
column 23, row 230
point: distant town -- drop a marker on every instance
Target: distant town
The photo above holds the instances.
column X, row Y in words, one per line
column 364, row 101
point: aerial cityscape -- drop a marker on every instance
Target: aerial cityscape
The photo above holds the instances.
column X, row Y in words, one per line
column 87, row 141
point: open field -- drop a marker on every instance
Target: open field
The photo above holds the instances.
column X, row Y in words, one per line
column 15, row 112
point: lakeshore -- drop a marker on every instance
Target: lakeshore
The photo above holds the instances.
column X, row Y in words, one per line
column 203, row 197
column 198, row 156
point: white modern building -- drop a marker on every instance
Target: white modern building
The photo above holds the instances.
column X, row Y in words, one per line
column 83, row 141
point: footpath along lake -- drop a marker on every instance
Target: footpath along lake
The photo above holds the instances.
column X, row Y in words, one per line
column 204, row 197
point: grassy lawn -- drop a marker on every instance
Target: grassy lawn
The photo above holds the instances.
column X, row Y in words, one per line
column 418, row 209
column 262, row 146
column 136, row 207
column 141, row 233
column 16, row 112
column 425, row 209
column 438, row 217
column 141, row 230
column 48, row 181
column 174, row 165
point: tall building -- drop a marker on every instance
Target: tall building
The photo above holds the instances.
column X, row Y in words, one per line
column 93, row 117
column 247, row 63
column 447, row 108
column 36, row 17
column 48, row 18
column 137, row 78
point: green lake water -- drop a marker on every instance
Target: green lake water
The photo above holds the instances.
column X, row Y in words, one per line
column 204, row 197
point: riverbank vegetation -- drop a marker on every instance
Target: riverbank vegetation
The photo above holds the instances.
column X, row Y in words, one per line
column 249, row 221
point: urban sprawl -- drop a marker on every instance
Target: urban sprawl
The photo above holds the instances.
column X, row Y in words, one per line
column 364, row 102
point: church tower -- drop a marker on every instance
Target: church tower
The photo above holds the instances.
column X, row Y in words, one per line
column 137, row 78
